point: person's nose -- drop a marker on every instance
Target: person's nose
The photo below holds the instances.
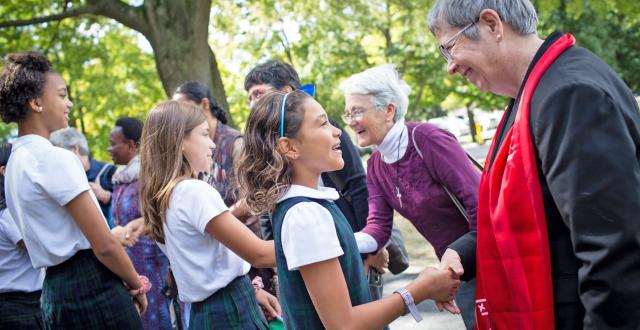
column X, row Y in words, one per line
column 452, row 67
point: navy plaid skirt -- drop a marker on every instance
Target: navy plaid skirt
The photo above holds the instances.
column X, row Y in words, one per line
column 20, row 310
column 232, row 307
column 81, row 293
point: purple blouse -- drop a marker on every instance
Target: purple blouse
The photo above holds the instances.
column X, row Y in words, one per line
column 424, row 202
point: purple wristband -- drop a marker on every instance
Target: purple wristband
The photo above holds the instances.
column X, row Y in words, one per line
column 411, row 306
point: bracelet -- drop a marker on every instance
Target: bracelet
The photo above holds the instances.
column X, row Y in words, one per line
column 257, row 283
column 144, row 288
column 408, row 300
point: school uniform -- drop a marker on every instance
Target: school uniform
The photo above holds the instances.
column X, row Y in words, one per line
column 208, row 274
column 78, row 291
column 308, row 227
column 20, row 283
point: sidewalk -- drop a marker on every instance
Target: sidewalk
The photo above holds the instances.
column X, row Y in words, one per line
column 433, row 320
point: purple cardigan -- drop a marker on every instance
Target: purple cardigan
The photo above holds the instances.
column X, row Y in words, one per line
column 424, row 201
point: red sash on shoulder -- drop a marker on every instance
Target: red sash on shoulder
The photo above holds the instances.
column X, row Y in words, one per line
column 514, row 288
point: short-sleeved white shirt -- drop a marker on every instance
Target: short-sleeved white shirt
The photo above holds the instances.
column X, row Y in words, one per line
column 308, row 231
column 201, row 264
column 16, row 271
column 40, row 180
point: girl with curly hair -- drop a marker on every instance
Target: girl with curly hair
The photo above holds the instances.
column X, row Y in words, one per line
column 289, row 142
column 49, row 197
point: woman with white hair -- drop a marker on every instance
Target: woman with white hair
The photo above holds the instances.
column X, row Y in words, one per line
column 412, row 171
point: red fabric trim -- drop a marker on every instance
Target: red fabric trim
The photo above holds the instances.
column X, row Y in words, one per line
column 514, row 286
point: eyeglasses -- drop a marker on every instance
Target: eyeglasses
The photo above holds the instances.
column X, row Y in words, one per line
column 356, row 114
column 444, row 47
column 257, row 94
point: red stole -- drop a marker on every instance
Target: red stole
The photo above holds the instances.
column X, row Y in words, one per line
column 514, row 287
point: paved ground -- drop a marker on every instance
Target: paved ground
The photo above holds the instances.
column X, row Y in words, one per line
column 433, row 320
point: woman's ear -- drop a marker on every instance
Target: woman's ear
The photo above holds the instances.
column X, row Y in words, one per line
column 204, row 105
column 491, row 19
column 288, row 148
column 390, row 112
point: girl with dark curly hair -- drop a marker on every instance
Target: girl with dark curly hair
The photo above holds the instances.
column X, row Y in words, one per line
column 90, row 282
column 289, row 143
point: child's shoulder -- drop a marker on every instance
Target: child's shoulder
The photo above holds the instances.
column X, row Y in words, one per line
column 191, row 187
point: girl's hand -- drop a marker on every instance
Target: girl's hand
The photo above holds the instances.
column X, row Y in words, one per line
column 269, row 304
column 437, row 284
column 140, row 301
column 119, row 232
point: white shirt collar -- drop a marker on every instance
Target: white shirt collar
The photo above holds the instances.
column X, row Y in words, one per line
column 302, row 191
column 29, row 138
column 390, row 149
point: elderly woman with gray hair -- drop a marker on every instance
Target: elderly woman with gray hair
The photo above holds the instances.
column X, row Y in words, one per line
column 412, row 171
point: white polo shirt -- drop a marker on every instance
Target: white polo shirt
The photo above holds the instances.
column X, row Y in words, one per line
column 40, row 180
column 16, row 271
column 308, row 231
column 201, row 264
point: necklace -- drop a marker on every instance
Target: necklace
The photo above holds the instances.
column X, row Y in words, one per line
column 398, row 194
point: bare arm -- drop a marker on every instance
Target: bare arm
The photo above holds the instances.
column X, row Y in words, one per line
column 237, row 237
column 334, row 306
column 105, row 246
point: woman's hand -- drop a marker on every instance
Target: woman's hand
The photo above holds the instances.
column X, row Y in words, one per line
column 379, row 261
column 269, row 304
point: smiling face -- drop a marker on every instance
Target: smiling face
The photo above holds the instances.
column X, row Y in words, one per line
column 373, row 124
column 483, row 61
column 198, row 148
column 318, row 142
column 55, row 102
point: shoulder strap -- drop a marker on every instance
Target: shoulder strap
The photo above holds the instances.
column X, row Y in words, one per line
column 104, row 167
column 453, row 198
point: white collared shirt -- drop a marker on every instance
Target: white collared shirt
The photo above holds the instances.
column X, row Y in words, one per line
column 200, row 263
column 394, row 144
column 40, row 180
column 308, row 231
column 16, row 271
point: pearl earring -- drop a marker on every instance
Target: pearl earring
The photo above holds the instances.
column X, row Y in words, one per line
column 39, row 109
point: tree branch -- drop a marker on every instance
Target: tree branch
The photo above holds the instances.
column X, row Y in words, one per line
column 57, row 17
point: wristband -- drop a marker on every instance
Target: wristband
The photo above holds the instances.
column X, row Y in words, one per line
column 144, row 288
column 257, row 283
column 411, row 306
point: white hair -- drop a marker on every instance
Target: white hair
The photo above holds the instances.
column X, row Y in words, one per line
column 385, row 85
column 519, row 14
column 69, row 137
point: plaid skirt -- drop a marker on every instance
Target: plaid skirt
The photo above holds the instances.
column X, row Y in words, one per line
column 232, row 307
column 81, row 293
column 20, row 310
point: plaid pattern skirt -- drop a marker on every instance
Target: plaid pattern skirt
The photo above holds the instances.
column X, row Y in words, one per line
column 232, row 307
column 81, row 293
column 20, row 310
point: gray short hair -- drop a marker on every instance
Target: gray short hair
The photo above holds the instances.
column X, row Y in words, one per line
column 519, row 14
column 385, row 85
column 69, row 137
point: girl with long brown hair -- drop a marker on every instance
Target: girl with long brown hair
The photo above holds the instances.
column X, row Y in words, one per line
column 289, row 142
column 204, row 242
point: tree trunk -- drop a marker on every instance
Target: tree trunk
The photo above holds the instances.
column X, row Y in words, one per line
column 178, row 32
column 472, row 123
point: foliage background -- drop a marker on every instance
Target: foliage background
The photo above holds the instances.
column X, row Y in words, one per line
column 111, row 71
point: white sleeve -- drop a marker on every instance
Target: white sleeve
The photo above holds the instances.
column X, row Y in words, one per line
column 366, row 243
column 200, row 202
column 62, row 176
column 309, row 235
column 9, row 228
